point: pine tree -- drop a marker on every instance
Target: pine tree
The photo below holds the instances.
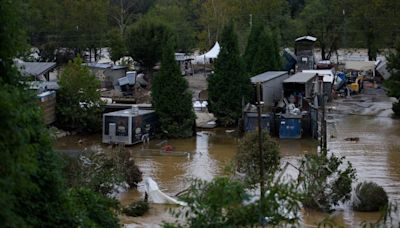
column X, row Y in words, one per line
column 171, row 99
column 263, row 51
column 230, row 84
column 252, row 45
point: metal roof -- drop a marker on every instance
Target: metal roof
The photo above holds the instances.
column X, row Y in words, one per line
column 267, row 76
column 128, row 112
column 105, row 66
column 35, row 68
column 300, row 78
column 308, row 38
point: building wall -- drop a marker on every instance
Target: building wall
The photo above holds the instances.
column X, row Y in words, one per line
column 273, row 90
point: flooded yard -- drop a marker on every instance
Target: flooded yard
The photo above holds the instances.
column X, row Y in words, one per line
column 376, row 157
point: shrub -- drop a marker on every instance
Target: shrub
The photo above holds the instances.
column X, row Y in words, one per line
column 396, row 109
column 324, row 184
column 135, row 209
column 369, row 197
column 248, row 156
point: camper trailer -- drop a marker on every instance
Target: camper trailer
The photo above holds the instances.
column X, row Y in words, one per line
column 129, row 126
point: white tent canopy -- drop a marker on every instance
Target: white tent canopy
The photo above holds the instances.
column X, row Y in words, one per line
column 211, row 54
column 157, row 196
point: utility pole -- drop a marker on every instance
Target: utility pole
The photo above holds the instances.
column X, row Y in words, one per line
column 260, row 151
column 323, row 144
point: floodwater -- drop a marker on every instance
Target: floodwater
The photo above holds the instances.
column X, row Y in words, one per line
column 376, row 157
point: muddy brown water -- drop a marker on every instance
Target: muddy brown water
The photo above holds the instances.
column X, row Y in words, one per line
column 376, row 157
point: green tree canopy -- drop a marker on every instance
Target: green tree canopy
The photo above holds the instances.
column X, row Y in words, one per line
column 171, row 99
column 78, row 99
column 248, row 156
column 145, row 42
column 229, row 85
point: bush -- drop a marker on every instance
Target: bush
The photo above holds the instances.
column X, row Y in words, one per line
column 135, row 209
column 248, row 156
column 324, row 184
column 396, row 109
column 93, row 209
column 369, row 197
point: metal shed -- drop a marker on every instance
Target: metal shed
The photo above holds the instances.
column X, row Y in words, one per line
column 108, row 74
column 299, row 83
column 305, row 52
column 39, row 70
column 129, row 126
column 271, row 84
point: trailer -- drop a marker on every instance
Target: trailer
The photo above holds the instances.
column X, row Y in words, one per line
column 129, row 126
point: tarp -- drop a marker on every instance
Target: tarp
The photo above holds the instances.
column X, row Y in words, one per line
column 157, row 196
column 211, row 54
column 360, row 65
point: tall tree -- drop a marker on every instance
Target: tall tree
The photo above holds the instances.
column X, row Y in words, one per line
column 262, row 51
column 177, row 19
column 145, row 41
column 324, row 19
column 229, row 85
column 78, row 99
column 171, row 99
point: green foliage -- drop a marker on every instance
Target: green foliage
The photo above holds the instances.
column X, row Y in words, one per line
column 396, row 109
column 369, row 197
column 78, row 99
column 171, row 98
column 248, row 156
column 393, row 65
column 229, row 85
column 145, row 42
column 102, row 171
column 135, row 209
column 324, row 184
column 262, row 51
column 224, row 202
column 177, row 19
column 117, row 46
column 324, row 19
column 93, row 209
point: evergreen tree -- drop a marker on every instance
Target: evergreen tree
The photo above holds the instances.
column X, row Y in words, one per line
column 252, row 45
column 262, row 51
column 171, row 99
column 230, row 84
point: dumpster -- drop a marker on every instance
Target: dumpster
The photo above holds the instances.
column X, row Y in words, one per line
column 290, row 126
column 251, row 121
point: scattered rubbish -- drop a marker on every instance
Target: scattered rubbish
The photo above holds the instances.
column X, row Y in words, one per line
column 352, row 139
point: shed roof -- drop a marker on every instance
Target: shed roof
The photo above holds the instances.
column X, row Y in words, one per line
column 306, row 38
column 267, row 76
column 128, row 113
column 105, row 66
column 35, row 68
column 300, row 78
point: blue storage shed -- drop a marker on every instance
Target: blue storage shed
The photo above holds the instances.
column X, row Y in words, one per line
column 290, row 126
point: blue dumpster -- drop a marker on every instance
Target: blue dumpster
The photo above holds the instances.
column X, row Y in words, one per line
column 290, row 127
column 251, row 121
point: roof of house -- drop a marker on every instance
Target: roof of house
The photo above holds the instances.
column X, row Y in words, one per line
column 105, row 66
column 35, row 68
column 300, row 78
column 307, row 38
column 267, row 76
